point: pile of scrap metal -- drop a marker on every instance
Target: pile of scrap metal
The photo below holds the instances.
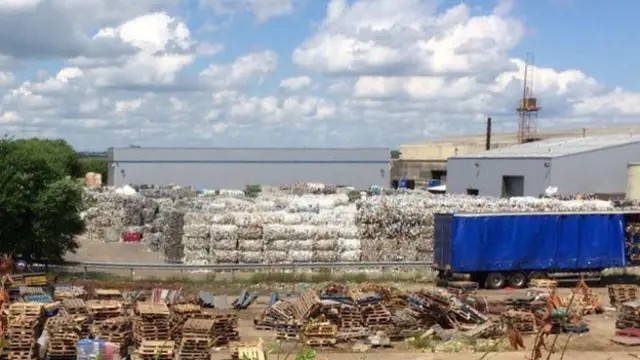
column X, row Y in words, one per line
column 344, row 314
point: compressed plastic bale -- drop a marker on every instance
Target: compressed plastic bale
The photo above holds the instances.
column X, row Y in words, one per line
column 198, row 231
column 289, row 232
column 349, row 256
column 327, row 232
column 231, row 193
column 250, row 257
column 301, row 244
column 246, row 219
column 195, row 242
column 325, row 244
column 278, row 245
column 250, row 245
column 349, row 244
column 222, row 219
column 300, row 256
column 196, row 257
column 250, row 232
column 275, row 257
column 224, row 256
column 223, row 232
column 324, row 256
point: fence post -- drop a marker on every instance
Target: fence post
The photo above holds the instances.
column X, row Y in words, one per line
column 85, row 273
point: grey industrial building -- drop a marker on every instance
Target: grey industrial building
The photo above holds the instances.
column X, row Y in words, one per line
column 234, row 168
column 595, row 165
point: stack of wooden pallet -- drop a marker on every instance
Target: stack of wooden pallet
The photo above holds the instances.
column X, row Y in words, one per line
column 197, row 339
column 225, row 326
column 622, row 293
column 115, row 330
column 319, row 334
column 107, row 294
column 629, row 315
column 375, row 314
column 524, row 322
column 63, row 337
column 25, row 322
column 155, row 350
column 236, row 347
column 543, row 283
column 69, row 292
column 180, row 313
column 75, row 307
column 101, row 310
column 151, row 322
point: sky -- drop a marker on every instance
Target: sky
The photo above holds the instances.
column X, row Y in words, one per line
column 308, row 73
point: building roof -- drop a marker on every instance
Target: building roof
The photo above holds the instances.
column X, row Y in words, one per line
column 557, row 147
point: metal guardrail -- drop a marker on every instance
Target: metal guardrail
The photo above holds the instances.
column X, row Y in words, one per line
column 132, row 267
column 221, row 267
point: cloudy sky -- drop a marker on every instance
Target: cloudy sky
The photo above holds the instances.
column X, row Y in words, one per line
column 103, row 73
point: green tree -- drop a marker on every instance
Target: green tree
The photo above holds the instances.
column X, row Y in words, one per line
column 395, row 154
column 39, row 204
column 96, row 165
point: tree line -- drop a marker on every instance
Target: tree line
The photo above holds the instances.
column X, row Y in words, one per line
column 40, row 197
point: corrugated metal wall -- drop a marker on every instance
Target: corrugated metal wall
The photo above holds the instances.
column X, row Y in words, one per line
column 234, row 168
column 601, row 171
column 462, row 173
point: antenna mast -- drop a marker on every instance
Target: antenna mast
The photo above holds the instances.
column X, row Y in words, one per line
column 529, row 106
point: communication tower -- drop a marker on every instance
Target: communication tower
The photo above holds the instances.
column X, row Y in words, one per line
column 529, row 105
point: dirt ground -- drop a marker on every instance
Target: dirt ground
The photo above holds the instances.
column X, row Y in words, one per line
column 592, row 346
column 595, row 345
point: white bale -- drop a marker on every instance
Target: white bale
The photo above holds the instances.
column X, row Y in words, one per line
column 197, row 231
column 349, row 256
column 214, row 207
column 250, row 257
column 327, row 232
column 247, row 219
column 325, row 244
column 277, row 245
column 195, row 243
column 196, row 257
column 194, row 218
column 252, row 232
column 289, row 232
column 348, row 232
column 250, row 245
column 223, row 232
column 349, row 244
column 222, row 219
column 224, row 256
column 300, row 256
column 231, row 193
column 266, row 205
column 301, row 244
column 275, row 257
column 325, row 256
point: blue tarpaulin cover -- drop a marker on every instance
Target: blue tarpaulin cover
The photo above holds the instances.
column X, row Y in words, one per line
column 506, row 242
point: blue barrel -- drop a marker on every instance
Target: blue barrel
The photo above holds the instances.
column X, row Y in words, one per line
column 433, row 182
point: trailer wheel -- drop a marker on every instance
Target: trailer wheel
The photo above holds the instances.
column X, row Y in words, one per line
column 518, row 280
column 495, row 281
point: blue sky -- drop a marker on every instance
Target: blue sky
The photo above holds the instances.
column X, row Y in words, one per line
column 107, row 73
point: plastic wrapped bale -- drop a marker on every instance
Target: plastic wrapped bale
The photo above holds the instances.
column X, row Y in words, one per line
column 325, row 245
column 223, row 237
column 222, row 219
column 275, row 256
column 196, row 257
column 289, row 232
column 172, row 236
column 349, row 256
column 224, row 256
column 250, row 245
column 327, row 232
column 300, row 256
column 196, row 231
column 248, row 220
column 377, row 249
column 325, row 256
column 250, row 257
column 153, row 240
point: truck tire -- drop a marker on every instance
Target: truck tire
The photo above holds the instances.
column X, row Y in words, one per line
column 518, row 280
column 495, row 281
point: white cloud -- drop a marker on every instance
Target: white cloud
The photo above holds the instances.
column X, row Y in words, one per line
column 252, row 67
column 296, row 83
column 384, row 72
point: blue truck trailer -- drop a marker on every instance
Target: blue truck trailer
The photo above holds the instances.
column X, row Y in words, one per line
column 503, row 249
